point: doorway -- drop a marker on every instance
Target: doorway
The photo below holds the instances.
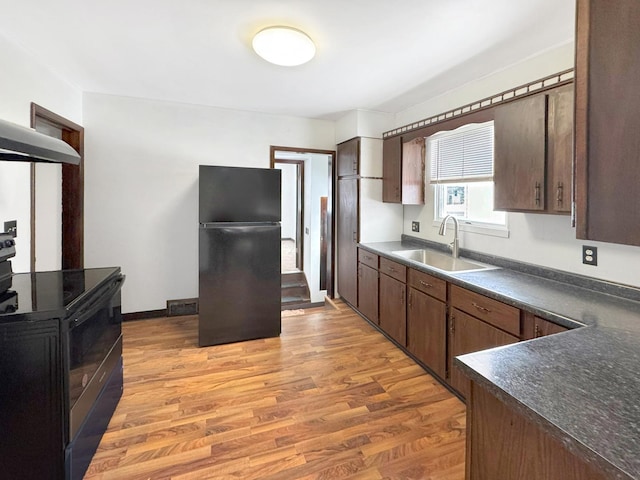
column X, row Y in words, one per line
column 314, row 223
column 69, row 208
column 292, row 221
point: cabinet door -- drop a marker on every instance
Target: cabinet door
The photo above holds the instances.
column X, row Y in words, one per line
column 368, row 292
column 505, row 445
column 427, row 330
column 412, row 185
column 519, row 154
column 542, row 328
column 560, row 149
column 535, row 327
column 391, row 170
column 347, row 239
column 467, row 334
column 393, row 313
column 607, row 144
column 348, row 158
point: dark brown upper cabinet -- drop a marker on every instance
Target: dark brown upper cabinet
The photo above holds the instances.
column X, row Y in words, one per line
column 533, row 154
column 560, row 149
column 403, row 171
column 607, row 128
column 348, row 158
column 519, row 154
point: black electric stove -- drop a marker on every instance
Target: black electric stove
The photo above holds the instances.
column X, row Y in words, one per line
column 56, row 294
column 60, row 369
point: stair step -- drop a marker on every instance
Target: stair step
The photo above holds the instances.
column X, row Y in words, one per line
column 293, row 283
column 295, row 289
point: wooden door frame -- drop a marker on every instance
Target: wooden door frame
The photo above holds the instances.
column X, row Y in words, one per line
column 299, row 207
column 72, row 192
column 330, row 207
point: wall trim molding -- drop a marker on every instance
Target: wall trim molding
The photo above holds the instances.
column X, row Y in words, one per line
column 557, row 79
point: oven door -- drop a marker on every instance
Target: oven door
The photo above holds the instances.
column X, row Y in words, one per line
column 94, row 348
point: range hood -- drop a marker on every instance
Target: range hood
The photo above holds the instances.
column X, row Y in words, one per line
column 18, row 143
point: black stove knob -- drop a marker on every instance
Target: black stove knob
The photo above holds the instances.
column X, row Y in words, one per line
column 9, row 243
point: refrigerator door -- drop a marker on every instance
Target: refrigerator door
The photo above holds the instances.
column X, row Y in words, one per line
column 239, row 283
column 235, row 194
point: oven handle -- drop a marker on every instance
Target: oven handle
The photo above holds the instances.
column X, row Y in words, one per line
column 90, row 310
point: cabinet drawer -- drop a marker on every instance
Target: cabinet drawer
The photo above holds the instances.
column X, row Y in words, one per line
column 368, row 258
column 428, row 284
column 496, row 313
column 393, row 269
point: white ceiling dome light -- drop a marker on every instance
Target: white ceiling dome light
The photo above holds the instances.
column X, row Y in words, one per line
column 285, row 46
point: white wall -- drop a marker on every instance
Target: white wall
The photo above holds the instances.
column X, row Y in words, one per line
column 316, row 186
column 24, row 81
column 547, row 240
column 141, row 176
column 289, row 219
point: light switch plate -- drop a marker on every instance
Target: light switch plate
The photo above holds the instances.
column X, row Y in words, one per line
column 415, row 226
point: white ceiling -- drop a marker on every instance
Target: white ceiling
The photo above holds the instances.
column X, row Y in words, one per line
column 371, row 54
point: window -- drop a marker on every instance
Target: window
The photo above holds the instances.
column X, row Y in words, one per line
column 462, row 172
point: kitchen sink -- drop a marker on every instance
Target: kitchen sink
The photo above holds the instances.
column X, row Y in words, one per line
column 440, row 261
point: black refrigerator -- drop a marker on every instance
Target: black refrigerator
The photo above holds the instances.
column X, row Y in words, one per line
column 239, row 254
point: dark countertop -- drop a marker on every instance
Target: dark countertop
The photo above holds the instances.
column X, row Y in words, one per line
column 580, row 386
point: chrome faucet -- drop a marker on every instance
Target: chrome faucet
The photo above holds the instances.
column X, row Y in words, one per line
column 443, row 230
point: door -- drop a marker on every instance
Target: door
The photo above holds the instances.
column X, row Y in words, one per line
column 426, row 331
column 519, row 154
column 368, row 292
column 239, row 284
column 560, row 149
column 292, row 208
column 347, row 239
column 393, row 314
column 318, row 183
column 468, row 334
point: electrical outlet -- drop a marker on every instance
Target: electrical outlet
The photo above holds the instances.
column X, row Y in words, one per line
column 11, row 227
column 415, row 226
column 589, row 255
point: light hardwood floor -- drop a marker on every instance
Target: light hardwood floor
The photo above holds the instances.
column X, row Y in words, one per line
column 330, row 399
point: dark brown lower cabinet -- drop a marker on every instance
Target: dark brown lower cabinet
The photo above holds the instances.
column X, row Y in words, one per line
column 504, row 445
column 393, row 313
column 368, row 292
column 535, row 327
column 427, row 330
column 467, row 334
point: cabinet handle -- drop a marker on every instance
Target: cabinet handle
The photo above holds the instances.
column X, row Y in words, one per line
column 354, row 236
column 481, row 308
column 423, row 283
column 402, row 296
column 410, row 303
column 560, row 193
column 452, row 324
column 391, row 269
column 367, row 257
column 537, row 192
column 536, row 331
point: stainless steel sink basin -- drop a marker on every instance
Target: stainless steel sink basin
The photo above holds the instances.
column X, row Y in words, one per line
column 441, row 261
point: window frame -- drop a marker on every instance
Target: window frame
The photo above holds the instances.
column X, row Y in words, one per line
column 466, row 225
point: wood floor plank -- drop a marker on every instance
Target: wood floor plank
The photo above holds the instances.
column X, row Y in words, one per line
column 331, row 398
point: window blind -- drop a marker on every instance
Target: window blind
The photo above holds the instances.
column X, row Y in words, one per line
column 462, row 155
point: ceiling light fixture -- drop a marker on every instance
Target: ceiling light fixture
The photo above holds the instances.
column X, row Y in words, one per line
column 285, row 46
